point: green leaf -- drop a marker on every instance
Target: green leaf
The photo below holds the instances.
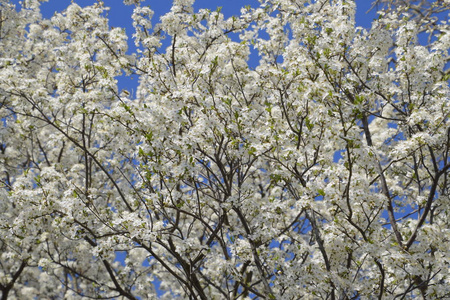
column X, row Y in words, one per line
column 308, row 123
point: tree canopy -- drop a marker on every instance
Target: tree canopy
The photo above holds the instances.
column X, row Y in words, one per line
column 320, row 173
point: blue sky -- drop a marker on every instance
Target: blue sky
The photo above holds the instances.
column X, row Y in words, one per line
column 120, row 16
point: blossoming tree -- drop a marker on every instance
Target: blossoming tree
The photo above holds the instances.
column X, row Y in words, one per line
column 321, row 173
